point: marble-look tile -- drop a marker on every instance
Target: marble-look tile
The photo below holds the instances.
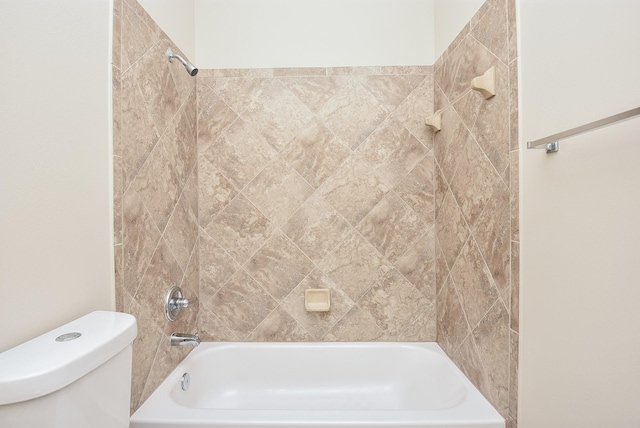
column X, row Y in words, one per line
column 415, row 108
column 116, row 44
column 468, row 60
column 491, row 129
column 492, row 30
column 215, row 192
column 356, row 326
column 279, row 327
column 240, row 229
column 450, row 144
column 515, row 287
column 316, row 228
column 317, row 323
column 353, row 71
column 136, row 128
column 419, row 328
column 440, row 100
column 451, row 229
column 514, row 144
column 492, row 234
column 162, row 273
column 440, row 191
column 240, row 153
column 238, row 93
column 393, row 302
column 390, row 90
column 140, row 238
column 353, row 113
column 238, row 72
column 211, row 329
column 278, row 191
column 279, row 266
column 118, row 193
column 441, row 268
column 473, row 281
column 492, row 340
column 514, row 184
column 214, row 116
column 118, row 262
column 417, row 189
column 354, row 265
column 407, row 70
column 182, row 229
column 136, row 36
column 145, row 347
column 417, row 264
column 242, row 304
column 514, row 339
column 216, row 267
column 512, row 32
column 277, row 114
column 392, row 226
column 468, row 360
column 315, row 153
column 452, row 322
column 474, row 182
column 354, row 189
column 314, row 91
column 392, row 151
column 452, row 47
column 158, row 88
column 300, row 71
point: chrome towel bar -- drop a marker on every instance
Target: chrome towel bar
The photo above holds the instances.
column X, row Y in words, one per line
column 550, row 143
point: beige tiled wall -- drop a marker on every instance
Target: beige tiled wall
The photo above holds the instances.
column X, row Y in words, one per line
column 476, row 194
column 155, row 190
column 316, row 178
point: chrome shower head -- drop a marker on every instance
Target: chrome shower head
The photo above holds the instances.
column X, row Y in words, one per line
column 191, row 69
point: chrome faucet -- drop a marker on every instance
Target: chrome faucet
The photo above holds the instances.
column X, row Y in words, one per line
column 182, row 339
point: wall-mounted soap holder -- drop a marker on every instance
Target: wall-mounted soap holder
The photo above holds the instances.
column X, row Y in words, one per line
column 174, row 303
column 317, row 299
column 434, row 121
column 485, row 84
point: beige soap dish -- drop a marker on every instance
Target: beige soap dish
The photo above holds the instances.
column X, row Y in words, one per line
column 317, row 299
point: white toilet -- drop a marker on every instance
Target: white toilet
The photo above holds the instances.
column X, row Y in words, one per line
column 76, row 376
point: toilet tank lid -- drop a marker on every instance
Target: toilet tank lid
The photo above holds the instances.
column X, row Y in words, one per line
column 44, row 365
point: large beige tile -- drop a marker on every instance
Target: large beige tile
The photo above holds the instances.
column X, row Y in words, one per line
column 393, row 302
column 392, row 227
column 451, row 229
column 473, row 281
column 390, row 90
column 240, row 229
column 215, row 192
column 356, row 326
column 492, row 30
column 392, row 151
column 417, row 264
column 240, row 153
column 277, row 114
column 418, row 187
column 315, row 153
column 452, row 322
column 237, row 92
column 354, row 189
column 182, row 229
column 242, row 304
column 279, row 327
column 216, row 267
column 278, row 191
column 314, row 91
column 352, row 113
column 354, row 265
column 214, row 116
column 317, row 323
column 417, row 106
column 316, row 228
column 279, row 266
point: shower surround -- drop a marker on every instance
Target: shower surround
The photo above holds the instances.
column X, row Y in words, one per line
column 253, row 185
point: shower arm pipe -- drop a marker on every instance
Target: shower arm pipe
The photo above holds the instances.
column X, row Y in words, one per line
column 551, row 143
column 191, row 69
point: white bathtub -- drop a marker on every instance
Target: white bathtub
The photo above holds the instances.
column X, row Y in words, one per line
column 337, row 385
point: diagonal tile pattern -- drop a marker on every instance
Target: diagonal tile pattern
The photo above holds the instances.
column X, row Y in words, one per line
column 317, row 182
column 476, row 203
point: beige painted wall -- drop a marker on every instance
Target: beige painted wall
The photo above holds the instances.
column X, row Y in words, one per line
column 579, row 322
column 294, row 33
column 450, row 16
column 177, row 19
column 55, row 174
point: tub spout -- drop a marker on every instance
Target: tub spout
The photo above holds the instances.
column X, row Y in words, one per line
column 182, row 339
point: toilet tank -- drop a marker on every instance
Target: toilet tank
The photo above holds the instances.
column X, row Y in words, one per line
column 75, row 376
